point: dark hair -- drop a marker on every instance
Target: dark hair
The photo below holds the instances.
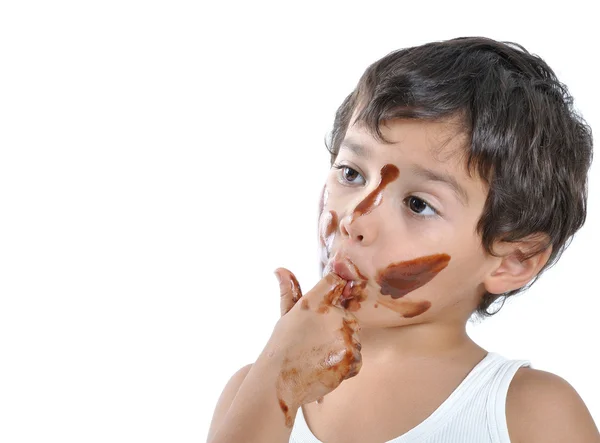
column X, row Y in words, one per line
column 525, row 140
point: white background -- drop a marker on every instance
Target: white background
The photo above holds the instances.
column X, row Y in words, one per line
column 160, row 159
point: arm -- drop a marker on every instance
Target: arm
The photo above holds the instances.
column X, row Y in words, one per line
column 542, row 407
column 313, row 348
column 226, row 398
column 248, row 409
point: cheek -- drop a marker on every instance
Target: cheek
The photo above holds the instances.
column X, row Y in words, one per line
column 323, row 199
column 469, row 261
column 328, row 225
column 467, row 275
column 400, row 278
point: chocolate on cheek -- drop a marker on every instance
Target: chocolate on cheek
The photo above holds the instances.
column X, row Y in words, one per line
column 328, row 225
column 322, row 202
column 323, row 199
column 407, row 309
column 416, row 308
column 398, row 279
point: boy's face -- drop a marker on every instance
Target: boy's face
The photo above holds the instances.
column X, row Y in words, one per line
column 401, row 220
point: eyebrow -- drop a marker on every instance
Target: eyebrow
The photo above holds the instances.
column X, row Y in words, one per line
column 442, row 177
column 356, row 148
column 428, row 174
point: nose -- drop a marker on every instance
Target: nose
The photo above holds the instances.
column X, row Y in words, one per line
column 362, row 229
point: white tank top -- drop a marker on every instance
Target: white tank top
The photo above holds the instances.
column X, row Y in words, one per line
column 474, row 413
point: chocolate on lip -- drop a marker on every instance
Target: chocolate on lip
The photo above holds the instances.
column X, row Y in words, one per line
column 354, row 292
column 344, row 270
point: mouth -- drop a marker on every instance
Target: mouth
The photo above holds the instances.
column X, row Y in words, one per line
column 347, row 270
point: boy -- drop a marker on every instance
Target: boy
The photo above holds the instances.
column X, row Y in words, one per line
column 459, row 173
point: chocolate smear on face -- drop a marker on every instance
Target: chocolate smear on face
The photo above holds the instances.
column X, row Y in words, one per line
column 328, row 225
column 416, row 308
column 407, row 309
column 322, row 238
column 398, row 279
column 323, row 199
column 389, row 173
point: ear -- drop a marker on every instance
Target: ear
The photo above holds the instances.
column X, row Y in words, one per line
column 514, row 270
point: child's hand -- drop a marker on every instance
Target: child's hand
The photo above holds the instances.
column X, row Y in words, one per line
column 315, row 341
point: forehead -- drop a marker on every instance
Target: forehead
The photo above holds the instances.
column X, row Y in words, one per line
column 443, row 143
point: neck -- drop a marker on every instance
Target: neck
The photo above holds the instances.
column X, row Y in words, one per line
column 427, row 340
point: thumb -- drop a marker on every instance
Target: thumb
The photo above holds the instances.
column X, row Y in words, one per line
column 289, row 289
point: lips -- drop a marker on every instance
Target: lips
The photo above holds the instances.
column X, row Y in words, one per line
column 349, row 272
column 344, row 270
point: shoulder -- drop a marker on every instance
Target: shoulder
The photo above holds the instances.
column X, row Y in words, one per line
column 543, row 407
column 229, row 392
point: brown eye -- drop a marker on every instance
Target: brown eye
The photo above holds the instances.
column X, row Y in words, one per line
column 421, row 207
column 416, row 204
column 349, row 174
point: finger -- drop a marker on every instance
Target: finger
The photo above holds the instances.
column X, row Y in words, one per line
column 351, row 329
column 352, row 326
column 355, row 340
column 352, row 322
column 354, row 367
column 355, row 361
column 327, row 291
column 289, row 290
